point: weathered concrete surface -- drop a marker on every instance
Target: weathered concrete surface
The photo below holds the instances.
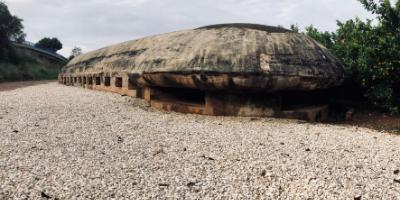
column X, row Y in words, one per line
column 226, row 49
column 230, row 104
column 237, row 82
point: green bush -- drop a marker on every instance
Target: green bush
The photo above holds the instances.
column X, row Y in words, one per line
column 371, row 55
column 370, row 52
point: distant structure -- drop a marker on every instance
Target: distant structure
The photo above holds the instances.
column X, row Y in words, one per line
column 39, row 52
column 227, row 69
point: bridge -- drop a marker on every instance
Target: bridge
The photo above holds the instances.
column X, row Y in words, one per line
column 44, row 52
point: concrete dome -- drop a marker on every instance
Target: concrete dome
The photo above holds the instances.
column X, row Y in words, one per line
column 236, row 56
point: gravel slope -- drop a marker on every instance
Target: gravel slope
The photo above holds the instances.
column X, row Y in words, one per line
column 71, row 143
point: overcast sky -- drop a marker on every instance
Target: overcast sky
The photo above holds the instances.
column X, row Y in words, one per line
column 91, row 24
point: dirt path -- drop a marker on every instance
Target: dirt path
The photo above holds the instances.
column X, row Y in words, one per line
column 14, row 85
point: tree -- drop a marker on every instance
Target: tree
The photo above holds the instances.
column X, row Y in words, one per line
column 388, row 14
column 324, row 38
column 76, row 51
column 50, row 44
column 370, row 52
column 294, row 28
column 11, row 28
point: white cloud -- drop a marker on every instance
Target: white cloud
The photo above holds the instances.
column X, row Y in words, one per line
column 92, row 24
column 130, row 3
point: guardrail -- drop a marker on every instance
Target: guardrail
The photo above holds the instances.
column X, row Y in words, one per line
column 31, row 45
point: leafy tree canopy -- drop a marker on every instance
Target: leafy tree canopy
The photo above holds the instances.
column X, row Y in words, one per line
column 324, row 38
column 51, row 44
column 388, row 14
column 11, row 29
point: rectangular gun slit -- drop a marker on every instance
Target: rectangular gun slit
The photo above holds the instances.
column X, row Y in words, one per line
column 118, row 82
column 107, row 81
column 98, row 82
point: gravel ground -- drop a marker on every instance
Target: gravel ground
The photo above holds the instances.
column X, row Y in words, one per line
column 59, row 142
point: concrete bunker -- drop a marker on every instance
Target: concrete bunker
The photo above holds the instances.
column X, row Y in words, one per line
column 228, row 69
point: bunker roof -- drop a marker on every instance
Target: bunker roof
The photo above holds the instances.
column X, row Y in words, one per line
column 217, row 49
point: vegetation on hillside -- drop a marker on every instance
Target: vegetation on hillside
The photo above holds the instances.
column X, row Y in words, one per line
column 370, row 52
column 14, row 67
column 26, row 70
